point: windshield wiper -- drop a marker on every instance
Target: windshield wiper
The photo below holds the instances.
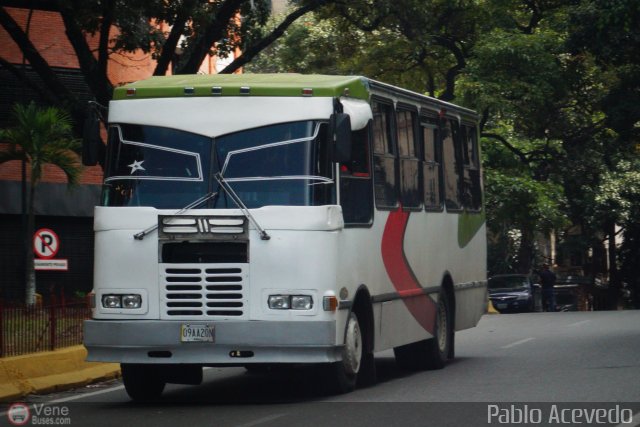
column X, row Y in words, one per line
column 201, row 200
column 234, row 197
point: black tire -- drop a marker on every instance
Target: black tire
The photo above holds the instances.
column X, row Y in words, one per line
column 368, row 375
column 142, row 382
column 434, row 352
column 342, row 376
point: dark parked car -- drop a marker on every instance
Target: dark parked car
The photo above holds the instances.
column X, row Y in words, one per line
column 512, row 292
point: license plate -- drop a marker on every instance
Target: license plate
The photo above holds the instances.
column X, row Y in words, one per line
column 501, row 305
column 190, row 332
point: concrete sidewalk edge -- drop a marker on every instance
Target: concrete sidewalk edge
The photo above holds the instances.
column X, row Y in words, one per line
column 50, row 371
column 491, row 309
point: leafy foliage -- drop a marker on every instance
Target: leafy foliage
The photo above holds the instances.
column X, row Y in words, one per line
column 42, row 136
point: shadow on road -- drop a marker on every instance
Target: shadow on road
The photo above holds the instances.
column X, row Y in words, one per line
column 292, row 384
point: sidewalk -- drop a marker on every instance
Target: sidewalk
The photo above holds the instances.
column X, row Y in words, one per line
column 50, row 371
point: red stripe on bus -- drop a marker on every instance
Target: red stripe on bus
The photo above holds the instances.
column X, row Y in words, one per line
column 420, row 305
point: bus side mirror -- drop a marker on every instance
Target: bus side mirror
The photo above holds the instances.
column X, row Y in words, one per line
column 92, row 146
column 340, row 137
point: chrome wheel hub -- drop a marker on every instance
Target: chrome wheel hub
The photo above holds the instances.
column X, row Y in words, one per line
column 352, row 353
column 441, row 326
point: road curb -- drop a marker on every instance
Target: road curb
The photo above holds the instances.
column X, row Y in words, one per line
column 491, row 309
column 50, row 371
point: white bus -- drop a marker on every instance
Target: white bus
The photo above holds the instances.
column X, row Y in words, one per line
column 254, row 220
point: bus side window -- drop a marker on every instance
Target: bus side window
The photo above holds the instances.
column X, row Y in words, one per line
column 452, row 164
column 410, row 185
column 431, row 167
column 473, row 188
column 384, row 158
column 356, row 197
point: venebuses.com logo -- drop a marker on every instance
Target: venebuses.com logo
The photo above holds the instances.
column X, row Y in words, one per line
column 18, row 414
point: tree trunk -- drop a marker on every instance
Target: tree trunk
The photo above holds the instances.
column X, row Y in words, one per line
column 525, row 252
column 30, row 272
column 94, row 73
column 52, row 84
column 251, row 51
column 217, row 29
column 614, row 284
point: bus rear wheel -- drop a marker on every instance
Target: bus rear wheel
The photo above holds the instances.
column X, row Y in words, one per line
column 433, row 352
column 439, row 347
column 142, row 382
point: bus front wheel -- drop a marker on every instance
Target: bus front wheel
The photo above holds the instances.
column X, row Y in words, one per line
column 342, row 375
column 142, row 382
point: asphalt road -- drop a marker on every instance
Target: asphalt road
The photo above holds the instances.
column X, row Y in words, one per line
column 544, row 368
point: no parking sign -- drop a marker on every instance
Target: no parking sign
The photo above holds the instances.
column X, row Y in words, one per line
column 46, row 245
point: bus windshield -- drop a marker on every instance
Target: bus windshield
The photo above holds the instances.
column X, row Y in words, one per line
column 284, row 164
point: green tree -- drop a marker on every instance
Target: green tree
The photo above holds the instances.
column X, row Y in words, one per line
column 529, row 78
column 418, row 45
column 39, row 136
column 609, row 32
column 196, row 29
column 519, row 205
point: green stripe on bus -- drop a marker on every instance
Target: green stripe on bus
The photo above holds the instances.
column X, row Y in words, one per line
column 259, row 84
column 468, row 225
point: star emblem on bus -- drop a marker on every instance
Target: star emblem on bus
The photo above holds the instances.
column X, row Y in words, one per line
column 136, row 166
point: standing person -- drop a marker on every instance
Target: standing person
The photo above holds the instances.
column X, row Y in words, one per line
column 547, row 280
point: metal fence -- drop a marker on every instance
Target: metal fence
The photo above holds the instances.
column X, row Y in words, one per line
column 41, row 328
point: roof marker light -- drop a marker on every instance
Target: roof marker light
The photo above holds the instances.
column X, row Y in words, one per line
column 216, row 90
column 131, row 91
column 307, row 91
column 245, row 90
column 189, row 91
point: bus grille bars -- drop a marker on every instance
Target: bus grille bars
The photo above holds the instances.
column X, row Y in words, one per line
column 194, row 291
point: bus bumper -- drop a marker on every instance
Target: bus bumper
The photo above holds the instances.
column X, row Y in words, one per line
column 235, row 343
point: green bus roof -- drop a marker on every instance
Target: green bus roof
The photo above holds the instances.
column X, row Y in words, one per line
column 245, row 84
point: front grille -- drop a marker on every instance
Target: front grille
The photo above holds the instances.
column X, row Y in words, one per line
column 503, row 299
column 194, row 292
column 202, row 227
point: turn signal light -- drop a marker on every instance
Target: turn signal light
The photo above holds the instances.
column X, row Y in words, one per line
column 330, row 303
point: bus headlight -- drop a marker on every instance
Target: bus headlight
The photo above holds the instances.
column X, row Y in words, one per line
column 111, row 301
column 290, row 302
column 122, row 301
column 301, row 302
column 279, row 302
column 131, row 301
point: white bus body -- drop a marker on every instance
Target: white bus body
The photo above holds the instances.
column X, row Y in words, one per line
column 328, row 273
